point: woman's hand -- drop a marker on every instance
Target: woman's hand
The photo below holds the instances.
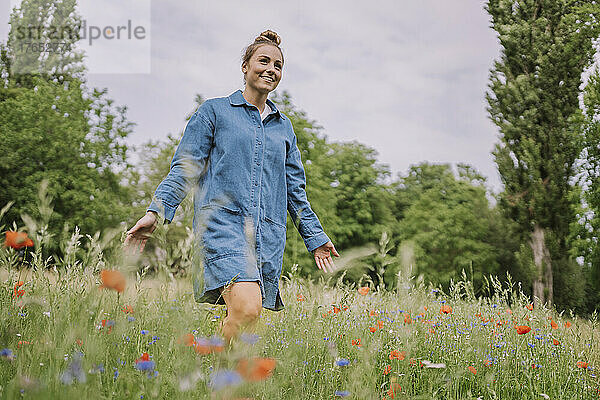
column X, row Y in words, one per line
column 323, row 258
column 139, row 234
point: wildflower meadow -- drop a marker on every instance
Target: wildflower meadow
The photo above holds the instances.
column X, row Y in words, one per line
column 102, row 332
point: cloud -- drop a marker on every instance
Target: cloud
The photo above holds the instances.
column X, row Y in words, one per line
column 406, row 78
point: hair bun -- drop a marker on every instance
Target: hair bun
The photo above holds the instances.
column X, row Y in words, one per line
column 268, row 36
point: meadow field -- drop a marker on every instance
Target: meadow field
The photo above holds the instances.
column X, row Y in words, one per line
column 63, row 336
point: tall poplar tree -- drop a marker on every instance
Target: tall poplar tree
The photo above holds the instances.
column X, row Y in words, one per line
column 534, row 88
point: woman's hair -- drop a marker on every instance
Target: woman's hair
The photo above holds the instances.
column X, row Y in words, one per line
column 266, row 37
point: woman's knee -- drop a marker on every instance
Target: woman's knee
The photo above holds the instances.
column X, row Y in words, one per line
column 244, row 301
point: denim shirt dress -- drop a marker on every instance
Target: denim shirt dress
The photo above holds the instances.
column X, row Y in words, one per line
column 244, row 172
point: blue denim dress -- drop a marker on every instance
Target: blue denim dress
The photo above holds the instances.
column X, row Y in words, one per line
column 245, row 173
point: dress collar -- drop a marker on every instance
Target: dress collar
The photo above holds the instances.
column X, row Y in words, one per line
column 237, row 98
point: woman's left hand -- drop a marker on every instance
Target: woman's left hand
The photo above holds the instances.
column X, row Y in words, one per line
column 323, row 258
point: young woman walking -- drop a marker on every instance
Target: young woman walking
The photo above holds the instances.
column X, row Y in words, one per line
column 240, row 157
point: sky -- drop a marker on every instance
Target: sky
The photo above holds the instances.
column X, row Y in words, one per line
column 406, row 78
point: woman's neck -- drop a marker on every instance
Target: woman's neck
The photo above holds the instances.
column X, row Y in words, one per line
column 256, row 98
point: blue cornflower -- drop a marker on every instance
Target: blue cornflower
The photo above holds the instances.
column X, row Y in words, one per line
column 216, row 341
column 342, row 393
column 7, row 354
column 144, row 332
column 145, row 365
column 116, row 374
column 130, row 318
column 342, row 362
column 223, row 378
column 74, row 371
column 154, row 339
column 249, row 338
column 97, row 369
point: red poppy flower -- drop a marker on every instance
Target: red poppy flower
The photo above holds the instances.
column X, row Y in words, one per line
column 20, row 343
column 393, row 389
column 18, row 292
column 127, row 309
column 387, row 369
column 144, row 357
column 187, row 340
column 397, row 355
column 372, row 329
column 112, row 279
column 582, row 364
column 336, row 310
column 553, row 324
column 110, row 326
column 567, row 324
column 529, row 307
column 472, row 369
column 380, row 324
column 363, row 290
column 256, row 369
column 356, row 342
column 17, row 240
column 523, row 329
column 299, row 297
column 446, row 309
column 407, row 319
column 555, row 342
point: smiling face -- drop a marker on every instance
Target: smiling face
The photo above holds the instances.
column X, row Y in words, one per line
column 263, row 70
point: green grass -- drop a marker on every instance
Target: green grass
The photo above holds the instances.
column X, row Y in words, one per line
column 60, row 315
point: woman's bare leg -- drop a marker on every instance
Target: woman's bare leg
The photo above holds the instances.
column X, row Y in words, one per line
column 244, row 304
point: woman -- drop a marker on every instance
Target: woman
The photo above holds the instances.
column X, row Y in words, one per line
column 239, row 155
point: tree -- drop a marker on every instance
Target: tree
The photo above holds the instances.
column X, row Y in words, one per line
column 42, row 42
column 449, row 224
column 584, row 232
column 344, row 186
column 52, row 127
column 532, row 99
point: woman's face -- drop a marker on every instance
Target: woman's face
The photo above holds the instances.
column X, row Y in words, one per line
column 263, row 71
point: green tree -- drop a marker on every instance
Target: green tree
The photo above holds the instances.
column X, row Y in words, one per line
column 450, row 226
column 53, row 127
column 534, row 88
column 584, row 232
column 345, row 186
column 42, row 42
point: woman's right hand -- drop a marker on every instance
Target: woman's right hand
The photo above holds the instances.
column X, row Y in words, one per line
column 141, row 232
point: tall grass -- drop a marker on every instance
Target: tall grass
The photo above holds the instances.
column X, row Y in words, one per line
column 398, row 344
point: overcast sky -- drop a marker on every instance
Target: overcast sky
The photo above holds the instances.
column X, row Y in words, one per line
column 407, row 78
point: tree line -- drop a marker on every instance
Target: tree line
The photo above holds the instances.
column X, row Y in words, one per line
column 434, row 221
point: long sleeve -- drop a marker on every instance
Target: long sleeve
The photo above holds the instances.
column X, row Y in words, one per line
column 188, row 164
column 303, row 216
